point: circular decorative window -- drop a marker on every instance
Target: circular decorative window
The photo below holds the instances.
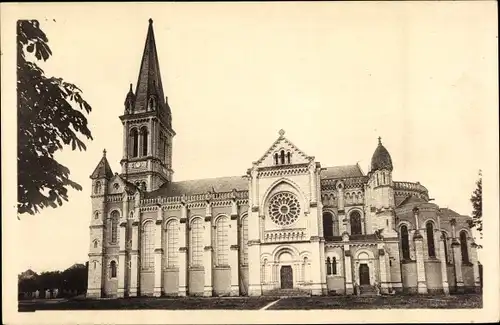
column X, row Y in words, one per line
column 116, row 186
column 284, row 208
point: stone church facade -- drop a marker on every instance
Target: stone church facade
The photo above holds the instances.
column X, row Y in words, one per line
column 288, row 223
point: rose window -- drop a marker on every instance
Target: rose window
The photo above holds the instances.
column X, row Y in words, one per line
column 284, row 209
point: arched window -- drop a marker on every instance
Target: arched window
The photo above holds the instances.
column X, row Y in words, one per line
column 334, row 266
column 196, row 242
column 143, row 186
column 172, row 243
column 95, row 265
column 429, row 229
column 134, row 145
column 327, row 224
column 355, row 219
column 97, row 187
column 328, row 266
column 114, row 226
column 222, row 242
column 378, row 181
column 282, row 156
column 463, row 247
column 112, row 266
column 383, row 177
column 445, row 244
column 289, row 157
column 244, row 241
column 276, row 158
column 96, row 243
column 147, row 245
column 144, row 137
column 405, row 242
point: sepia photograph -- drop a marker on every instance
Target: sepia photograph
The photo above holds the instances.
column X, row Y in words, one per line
column 291, row 162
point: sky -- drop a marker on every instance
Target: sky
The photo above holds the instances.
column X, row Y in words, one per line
column 335, row 76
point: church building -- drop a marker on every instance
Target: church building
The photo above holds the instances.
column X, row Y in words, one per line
column 286, row 225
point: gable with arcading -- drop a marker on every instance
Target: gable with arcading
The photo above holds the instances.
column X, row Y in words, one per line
column 283, row 152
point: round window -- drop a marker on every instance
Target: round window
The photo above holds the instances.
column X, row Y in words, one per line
column 284, row 208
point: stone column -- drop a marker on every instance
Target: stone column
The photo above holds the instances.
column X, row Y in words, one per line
column 121, row 260
column 322, row 265
column 348, row 270
column 384, row 273
column 475, row 267
column 208, row 252
column 158, row 254
column 125, row 139
column 254, row 284
column 183, row 260
column 457, row 258
column 314, row 273
column 312, row 181
column 134, row 260
column 234, row 247
column 340, row 198
column 419, row 256
column 444, row 272
column 153, row 137
column 150, row 136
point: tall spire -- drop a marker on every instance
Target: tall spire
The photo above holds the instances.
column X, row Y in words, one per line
column 149, row 85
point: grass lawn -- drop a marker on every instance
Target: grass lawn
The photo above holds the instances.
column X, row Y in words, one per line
column 380, row 302
column 255, row 303
column 233, row 303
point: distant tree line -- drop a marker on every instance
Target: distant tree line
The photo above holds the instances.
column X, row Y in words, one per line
column 70, row 282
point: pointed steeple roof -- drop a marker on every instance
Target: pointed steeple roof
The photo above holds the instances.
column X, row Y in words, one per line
column 102, row 170
column 149, row 81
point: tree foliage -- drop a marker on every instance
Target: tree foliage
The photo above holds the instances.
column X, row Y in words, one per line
column 50, row 116
column 477, row 206
column 73, row 279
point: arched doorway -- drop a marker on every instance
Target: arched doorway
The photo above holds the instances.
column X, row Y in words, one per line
column 364, row 274
column 286, row 266
column 286, row 277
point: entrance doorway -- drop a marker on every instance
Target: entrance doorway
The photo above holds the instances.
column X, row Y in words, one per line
column 286, row 275
column 364, row 274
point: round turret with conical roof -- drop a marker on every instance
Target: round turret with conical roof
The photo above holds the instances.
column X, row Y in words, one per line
column 381, row 158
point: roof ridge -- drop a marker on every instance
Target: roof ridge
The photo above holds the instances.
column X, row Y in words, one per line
column 207, row 178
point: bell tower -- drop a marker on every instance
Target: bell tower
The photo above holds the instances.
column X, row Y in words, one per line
column 147, row 125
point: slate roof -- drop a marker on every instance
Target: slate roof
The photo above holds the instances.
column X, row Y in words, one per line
column 411, row 199
column 449, row 213
column 342, row 172
column 102, row 170
column 202, row 186
column 381, row 158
